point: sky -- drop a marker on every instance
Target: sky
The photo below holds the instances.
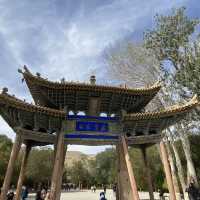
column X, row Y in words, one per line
column 66, row 38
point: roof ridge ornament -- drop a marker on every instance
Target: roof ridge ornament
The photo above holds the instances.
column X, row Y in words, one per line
column 4, row 90
column 26, row 69
column 93, row 80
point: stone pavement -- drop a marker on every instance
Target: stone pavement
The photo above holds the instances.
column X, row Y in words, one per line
column 88, row 195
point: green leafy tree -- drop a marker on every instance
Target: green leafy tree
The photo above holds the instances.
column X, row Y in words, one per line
column 189, row 74
column 5, row 150
column 106, row 167
column 79, row 174
column 169, row 40
column 40, row 166
column 170, row 36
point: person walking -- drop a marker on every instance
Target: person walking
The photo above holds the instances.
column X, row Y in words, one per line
column 102, row 196
column 104, row 189
column 94, row 188
column 24, row 194
column 114, row 189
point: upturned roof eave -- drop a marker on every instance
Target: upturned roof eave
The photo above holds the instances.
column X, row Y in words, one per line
column 12, row 101
column 39, row 81
column 168, row 112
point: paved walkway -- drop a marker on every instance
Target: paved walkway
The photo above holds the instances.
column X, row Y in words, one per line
column 88, row 195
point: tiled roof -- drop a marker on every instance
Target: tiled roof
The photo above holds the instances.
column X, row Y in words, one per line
column 30, row 78
column 174, row 110
column 17, row 103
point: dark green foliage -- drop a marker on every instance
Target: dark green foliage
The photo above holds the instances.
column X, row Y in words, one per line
column 79, row 174
column 106, row 167
column 155, row 167
column 5, row 150
column 40, row 166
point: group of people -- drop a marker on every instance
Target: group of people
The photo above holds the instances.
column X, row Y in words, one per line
column 41, row 194
column 68, row 186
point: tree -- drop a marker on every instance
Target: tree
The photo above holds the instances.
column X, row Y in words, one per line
column 189, row 74
column 169, row 42
column 79, row 174
column 106, row 171
column 170, row 36
column 40, row 166
column 132, row 64
column 5, row 150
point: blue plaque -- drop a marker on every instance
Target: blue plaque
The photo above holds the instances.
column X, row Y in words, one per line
column 92, row 126
column 91, row 137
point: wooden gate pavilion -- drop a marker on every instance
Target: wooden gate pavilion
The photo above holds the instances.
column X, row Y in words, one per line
column 54, row 119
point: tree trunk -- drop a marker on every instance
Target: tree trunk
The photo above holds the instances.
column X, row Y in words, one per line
column 167, row 170
column 190, row 165
column 173, row 171
column 180, row 171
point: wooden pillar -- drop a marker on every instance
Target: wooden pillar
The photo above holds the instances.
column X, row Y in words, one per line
column 148, row 172
column 22, row 172
column 127, row 184
column 10, row 168
column 168, row 175
column 56, row 169
column 59, row 185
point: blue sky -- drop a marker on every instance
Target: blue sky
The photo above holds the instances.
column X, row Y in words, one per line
column 66, row 38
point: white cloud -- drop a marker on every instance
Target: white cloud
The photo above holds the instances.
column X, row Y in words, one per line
column 65, row 38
